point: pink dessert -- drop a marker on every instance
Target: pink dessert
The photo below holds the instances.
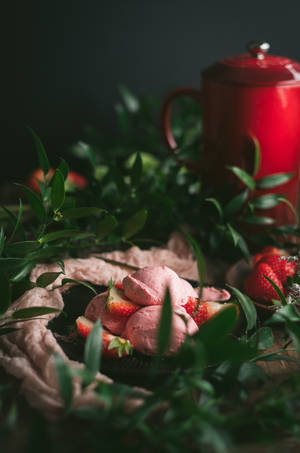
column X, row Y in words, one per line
column 97, row 309
column 142, row 329
column 148, row 286
column 120, row 314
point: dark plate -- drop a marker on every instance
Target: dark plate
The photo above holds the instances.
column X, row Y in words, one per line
column 135, row 369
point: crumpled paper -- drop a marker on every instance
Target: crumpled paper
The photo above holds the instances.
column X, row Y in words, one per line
column 27, row 353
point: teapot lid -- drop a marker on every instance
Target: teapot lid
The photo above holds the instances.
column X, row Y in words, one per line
column 256, row 67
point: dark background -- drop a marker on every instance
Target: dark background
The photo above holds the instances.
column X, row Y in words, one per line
column 71, row 56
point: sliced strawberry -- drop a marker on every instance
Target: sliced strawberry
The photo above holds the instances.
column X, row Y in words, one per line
column 115, row 347
column 112, row 346
column 118, row 304
column 84, row 326
column 281, row 267
column 258, row 287
column 201, row 311
column 119, row 285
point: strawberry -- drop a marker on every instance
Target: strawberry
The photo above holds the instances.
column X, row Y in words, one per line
column 281, row 267
column 112, row 346
column 258, row 287
column 268, row 250
column 200, row 311
column 74, row 180
column 118, row 304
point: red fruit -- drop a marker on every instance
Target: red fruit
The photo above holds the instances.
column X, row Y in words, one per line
column 268, row 250
column 281, row 267
column 84, row 326
column 74, row 180
column 197, row 310
column 112, row 346
column 258, row 287
column 118, row 304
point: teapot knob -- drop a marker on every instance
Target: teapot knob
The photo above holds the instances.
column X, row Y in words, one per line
column 258, row 49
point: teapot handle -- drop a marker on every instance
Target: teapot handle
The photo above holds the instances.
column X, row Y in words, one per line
column 165, row 116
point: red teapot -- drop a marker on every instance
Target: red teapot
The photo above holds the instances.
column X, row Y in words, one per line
column 250, row 96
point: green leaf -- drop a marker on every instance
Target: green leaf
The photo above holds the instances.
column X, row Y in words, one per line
column 249, row 372
column 76, row 213
column 283, row 199
column 135, row 223
column 266, row 201
column 18, row 221
column 106, row 226
column 274, row 180
column 77, row 282
column 131, row 102
column 57, row 190
column 223, row 323
column 5, row 292
column 17, row 227
column 92, row 350
column 8, row 264
column 23, row 272
column 136, row 171
column 165, row 325
column 64, row 378
column 42, row 156
column 64, row 168
column 234, row 205
column 278, row 291
column 122, row 116
column 35, row 202
column 57, row 235
column 242, row 245
column 243, row 176
column 22, row 248
column 234, row 234
column 257, row 155
column 2, row 240
column 247, row 306
column 47, row 278
column 217, row 206
column 258, row 220
column 32, row 312
column 46, row 252
column 262, row 339
column 199, row 257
